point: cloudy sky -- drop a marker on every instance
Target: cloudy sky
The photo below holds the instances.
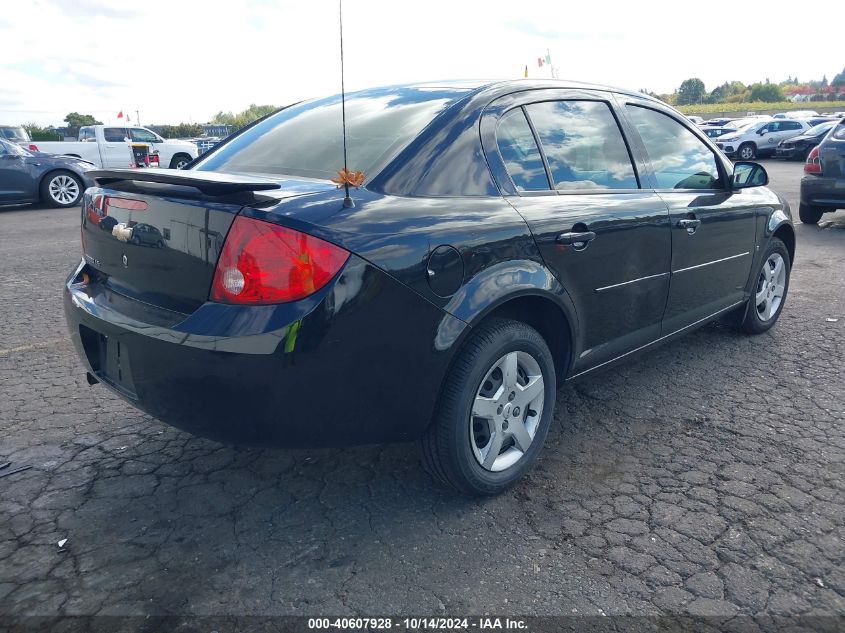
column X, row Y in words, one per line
column 183, row 60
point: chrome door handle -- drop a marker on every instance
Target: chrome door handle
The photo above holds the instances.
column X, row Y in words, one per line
column 690, row 224
column 576, row 238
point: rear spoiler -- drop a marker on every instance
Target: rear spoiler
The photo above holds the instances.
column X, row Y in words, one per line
column 208, row 182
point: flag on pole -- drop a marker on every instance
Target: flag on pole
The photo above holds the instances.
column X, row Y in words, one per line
column 540, row 62
column 120, row 114
column 526, row 71
column 548, row 59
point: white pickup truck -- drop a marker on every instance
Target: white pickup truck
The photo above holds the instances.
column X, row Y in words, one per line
column 110, row 146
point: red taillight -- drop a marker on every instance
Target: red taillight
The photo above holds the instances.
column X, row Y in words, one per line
column 33, row 147
column 266, row 263
column 813, row 164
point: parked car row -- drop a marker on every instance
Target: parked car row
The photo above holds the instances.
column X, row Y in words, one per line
column 788, row 135
column 817, row 139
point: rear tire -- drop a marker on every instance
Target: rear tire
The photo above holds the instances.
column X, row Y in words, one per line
column 179, row 161
column 768, row 295
column 747, row 151
column 809, row 213
column 499, row 395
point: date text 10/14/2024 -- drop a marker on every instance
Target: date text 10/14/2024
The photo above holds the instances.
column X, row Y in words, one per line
column 418, row 624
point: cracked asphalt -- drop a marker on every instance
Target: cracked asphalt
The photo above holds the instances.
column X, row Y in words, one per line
column 704, row 478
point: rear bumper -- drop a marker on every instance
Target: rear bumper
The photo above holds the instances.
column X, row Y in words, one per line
column 355, row 363
column 823, row 192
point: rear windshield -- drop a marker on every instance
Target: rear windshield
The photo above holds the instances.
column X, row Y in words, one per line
column 306, row 139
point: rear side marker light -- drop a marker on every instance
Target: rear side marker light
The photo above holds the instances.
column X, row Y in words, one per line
column 263, row 263
column 813, row 164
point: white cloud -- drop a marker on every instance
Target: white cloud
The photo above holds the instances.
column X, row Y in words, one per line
column 181, row 60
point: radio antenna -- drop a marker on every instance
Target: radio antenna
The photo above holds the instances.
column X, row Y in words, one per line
column 347, row 201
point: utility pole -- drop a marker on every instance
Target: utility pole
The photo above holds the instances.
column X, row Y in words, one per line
column 137, row 119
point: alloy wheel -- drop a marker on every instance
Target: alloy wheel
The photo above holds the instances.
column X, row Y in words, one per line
column 63, row 189
column 746, row 153
column 506, row 411
column 771, row 286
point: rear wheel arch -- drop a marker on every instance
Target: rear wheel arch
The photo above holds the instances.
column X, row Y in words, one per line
column 547, row 317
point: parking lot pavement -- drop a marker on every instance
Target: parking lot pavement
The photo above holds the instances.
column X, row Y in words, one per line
column 706, row 477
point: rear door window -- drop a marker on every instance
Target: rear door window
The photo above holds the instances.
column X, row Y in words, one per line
column 679, row 158
column 115, row 134
column 520, row 153
column 143, row 136
column 583, row 145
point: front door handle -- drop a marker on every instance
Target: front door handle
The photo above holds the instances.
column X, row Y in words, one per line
column 576, row 238
column 690, row 224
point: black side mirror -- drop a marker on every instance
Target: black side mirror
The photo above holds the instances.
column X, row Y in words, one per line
column 748, row 174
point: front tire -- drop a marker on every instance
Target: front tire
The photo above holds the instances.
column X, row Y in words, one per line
column 62, row 189
column 494, row 411
column 810, row 214
column 769, row 293
column 747, row 151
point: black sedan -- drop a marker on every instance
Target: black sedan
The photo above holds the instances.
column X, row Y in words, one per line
column 823, row 184
column 798, row 147
column 506, row 237
column 32, row 177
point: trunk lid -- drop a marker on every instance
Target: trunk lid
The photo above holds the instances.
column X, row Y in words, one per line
column 156, row 235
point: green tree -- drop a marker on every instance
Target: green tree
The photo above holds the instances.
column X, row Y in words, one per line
column 75, row 121
column 691, row 91
column 237, row 121
column 838, row 79
column 766, row 92
column 183, row 130
column 38, row 133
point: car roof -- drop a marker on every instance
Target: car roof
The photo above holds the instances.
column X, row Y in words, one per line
column 496, row 87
